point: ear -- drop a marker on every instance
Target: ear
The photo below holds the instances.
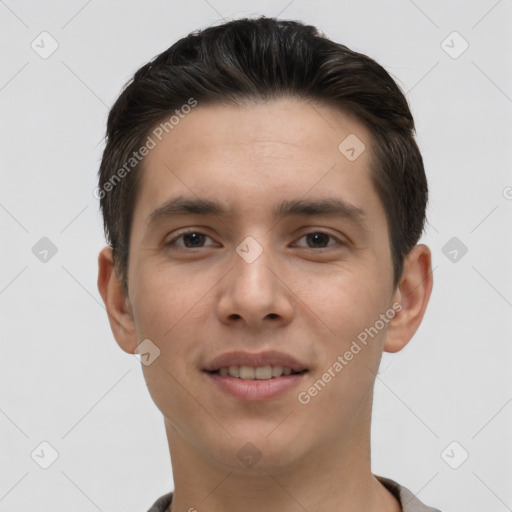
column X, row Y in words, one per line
column 118, row 305
column 413, row 293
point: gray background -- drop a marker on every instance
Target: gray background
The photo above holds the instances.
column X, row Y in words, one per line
column 64, row 380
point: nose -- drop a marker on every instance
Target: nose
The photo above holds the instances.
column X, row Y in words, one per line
column 255, row 292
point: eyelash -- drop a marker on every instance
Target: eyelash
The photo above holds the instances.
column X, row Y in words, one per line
column 193, row 231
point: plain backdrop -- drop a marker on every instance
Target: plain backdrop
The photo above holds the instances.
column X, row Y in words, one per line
column 442, row 412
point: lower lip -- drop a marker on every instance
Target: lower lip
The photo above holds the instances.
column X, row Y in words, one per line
column 254, row 390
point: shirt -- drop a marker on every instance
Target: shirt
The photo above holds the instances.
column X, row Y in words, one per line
column 405, row 497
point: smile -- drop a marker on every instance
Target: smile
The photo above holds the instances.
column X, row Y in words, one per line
column 258, row 373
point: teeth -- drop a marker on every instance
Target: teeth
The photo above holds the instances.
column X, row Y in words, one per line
column 277, row 371
column 246, row 372
column 259, row 373
column 263, row 372
column 234, row 371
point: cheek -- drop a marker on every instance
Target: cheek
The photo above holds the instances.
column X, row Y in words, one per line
column 166, row 309
column 167, row 301
column 170, row 305
column 345, row 300
column 351, row 306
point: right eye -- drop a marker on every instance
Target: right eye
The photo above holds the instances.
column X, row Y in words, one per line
column 191, row 239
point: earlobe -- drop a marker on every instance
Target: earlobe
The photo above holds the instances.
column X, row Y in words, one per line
column 413, row 293
column 117, row 304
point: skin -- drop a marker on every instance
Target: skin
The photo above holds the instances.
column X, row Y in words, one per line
column 308, row 297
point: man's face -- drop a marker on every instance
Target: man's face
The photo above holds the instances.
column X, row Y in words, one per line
column 250, row 280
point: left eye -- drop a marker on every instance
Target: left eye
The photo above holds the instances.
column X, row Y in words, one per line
column 318, row 238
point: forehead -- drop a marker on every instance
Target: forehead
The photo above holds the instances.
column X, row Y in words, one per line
column 303, row 126
column 247, row 155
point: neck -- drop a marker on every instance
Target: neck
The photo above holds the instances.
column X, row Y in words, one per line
column 335, row 474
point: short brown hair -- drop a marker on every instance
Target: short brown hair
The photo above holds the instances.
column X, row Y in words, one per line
column 266, row 58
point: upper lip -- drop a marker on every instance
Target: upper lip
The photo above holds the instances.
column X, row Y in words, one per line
column 267, row 358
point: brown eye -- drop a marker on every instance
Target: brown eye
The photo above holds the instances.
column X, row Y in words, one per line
column 319, row 240
column 191, row 240
column 316, row 239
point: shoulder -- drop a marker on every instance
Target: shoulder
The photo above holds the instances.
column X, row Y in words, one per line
column 162, row 503
column 409, row 502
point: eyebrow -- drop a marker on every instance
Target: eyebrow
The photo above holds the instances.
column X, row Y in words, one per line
column 332, row 206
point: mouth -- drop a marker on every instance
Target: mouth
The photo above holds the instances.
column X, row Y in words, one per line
column 266, row 372
column 255, row 383
column 253, row 376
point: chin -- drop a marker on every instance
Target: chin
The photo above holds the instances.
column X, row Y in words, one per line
column 258, row 450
